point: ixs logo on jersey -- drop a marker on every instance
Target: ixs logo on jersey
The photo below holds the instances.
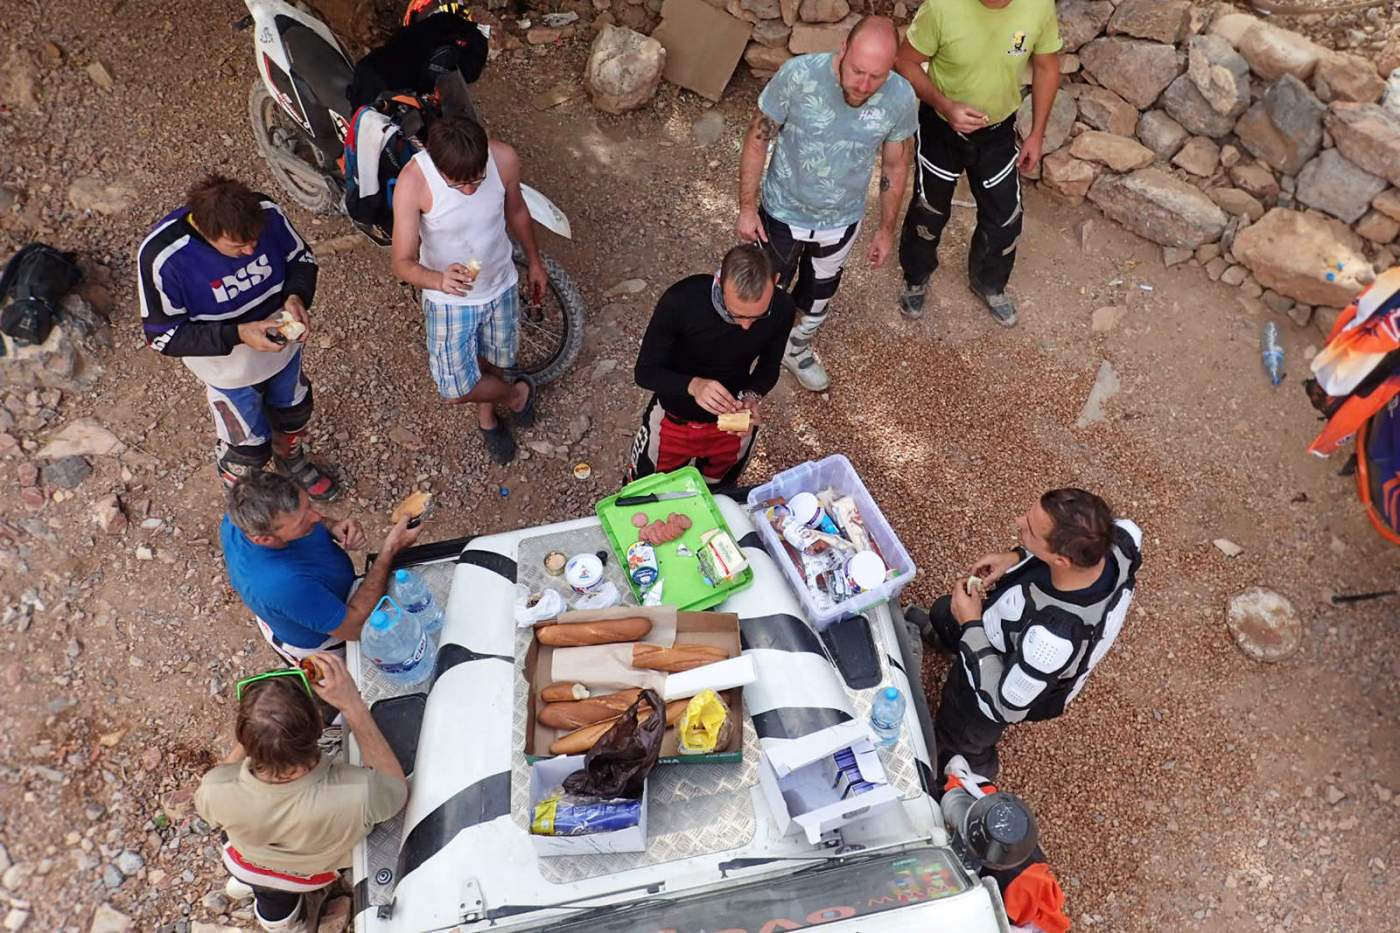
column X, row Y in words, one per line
column 245, row 279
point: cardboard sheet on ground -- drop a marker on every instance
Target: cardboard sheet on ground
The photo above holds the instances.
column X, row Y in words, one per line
column 703, row 45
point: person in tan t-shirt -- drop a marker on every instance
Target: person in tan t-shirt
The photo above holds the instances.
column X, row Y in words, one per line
column 291, row 816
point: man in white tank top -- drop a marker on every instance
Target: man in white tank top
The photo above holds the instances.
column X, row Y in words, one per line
column 456, row 207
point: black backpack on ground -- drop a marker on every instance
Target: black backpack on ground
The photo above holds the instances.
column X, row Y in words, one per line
column 34, row 281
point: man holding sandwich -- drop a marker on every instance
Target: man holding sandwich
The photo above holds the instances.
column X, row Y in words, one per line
column 225, row 284
column 712, row 351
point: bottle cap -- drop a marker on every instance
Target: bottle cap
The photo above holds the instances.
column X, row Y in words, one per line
column 401, row 576
column 891, row 693
column 379, row 619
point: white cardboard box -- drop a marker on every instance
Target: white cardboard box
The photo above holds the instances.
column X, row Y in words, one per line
column 548, row 773
column 797, row 782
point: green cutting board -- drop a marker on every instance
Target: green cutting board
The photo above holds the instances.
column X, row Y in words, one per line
column 685, row 587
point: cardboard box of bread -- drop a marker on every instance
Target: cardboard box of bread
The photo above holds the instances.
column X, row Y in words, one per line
column 584, row 669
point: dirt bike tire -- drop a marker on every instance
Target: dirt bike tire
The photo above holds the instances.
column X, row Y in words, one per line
column 571, row 302
column 304, row 183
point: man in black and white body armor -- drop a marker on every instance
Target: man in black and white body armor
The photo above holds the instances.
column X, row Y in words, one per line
column 1053, row 606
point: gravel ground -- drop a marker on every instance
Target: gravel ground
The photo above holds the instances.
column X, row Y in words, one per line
column 1187, row 788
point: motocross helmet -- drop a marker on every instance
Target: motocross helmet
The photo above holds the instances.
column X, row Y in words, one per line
column 1000, row 830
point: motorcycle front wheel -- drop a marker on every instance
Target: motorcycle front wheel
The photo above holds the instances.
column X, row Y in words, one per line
column 289, row 154
column 551, row 335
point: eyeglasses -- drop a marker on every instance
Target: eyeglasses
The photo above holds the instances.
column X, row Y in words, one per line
column 474, row 183
column 247, row 682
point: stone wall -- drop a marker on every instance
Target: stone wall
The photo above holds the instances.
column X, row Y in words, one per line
column 1235, row 144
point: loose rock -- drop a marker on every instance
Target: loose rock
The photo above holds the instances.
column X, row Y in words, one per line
column 624, row 69
column 1219, row 73
column 1199, row 157
column 1273, row 52
column 1378, row 228
column 89, row 193
column 1284, row 129
column 66, row 472
column 1290, row 252
column 1120, row 153
column 1189, row 108
column 1237, row 202
column 1367, row 135
column 1062, row 116
column 1159, row 20
column 1104, row 110
column 1067, row 176
column 1160, row 133
column 1159, row 207
column 106, row 919
column 1082, row 20
column 1107, row 318
column 1106, row 386
column 1255, row 179
column 1264, row 624
column 1342, row 76
column 1136, row 70
column 1333, row 184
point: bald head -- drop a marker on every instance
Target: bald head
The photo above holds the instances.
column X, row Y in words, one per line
column 867, row 56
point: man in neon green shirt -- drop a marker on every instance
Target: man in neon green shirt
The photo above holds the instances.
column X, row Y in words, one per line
column 965, row 59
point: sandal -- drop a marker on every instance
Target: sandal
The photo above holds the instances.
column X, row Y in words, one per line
column 525, row 417
column 500, row 446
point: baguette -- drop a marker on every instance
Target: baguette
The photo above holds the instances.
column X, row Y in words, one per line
column 603, row 632
column 671, row 660
column 586, row 712
column 581, row 740
column 563, row 692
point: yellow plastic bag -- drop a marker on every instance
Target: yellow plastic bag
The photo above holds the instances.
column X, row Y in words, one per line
column 704, row 726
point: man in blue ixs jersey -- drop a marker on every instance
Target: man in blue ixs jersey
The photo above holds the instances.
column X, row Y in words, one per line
column 215, row 278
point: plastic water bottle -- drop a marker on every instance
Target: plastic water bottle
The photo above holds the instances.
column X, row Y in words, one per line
column 395, row 642
column 887, row 716
column 413, row 595
column 1273, row 353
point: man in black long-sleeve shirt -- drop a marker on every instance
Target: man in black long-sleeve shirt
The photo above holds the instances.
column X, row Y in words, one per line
column 714, row 346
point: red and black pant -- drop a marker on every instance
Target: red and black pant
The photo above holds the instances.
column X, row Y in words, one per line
column 665, row 443
column 988, row 156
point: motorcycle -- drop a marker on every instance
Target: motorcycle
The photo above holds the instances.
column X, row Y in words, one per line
column 300, row 114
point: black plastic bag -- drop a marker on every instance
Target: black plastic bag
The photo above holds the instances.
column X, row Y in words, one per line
column 618, row 765
column 36, row 278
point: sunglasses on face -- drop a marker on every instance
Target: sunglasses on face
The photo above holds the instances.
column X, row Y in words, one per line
column 248, row 682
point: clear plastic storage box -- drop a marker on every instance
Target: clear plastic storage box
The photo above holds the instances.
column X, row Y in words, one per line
column 837, row 473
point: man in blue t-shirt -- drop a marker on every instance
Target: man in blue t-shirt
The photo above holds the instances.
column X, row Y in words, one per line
column 288, row 563
column 826, row 117
column 217, row 277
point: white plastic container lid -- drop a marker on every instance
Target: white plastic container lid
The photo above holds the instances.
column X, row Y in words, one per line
column 866, row 570
column 804, row 507
column 584, row 572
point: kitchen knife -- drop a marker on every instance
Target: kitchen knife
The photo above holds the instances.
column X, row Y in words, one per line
column 654, row 497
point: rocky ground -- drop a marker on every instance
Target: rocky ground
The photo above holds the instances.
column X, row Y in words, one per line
column 1188, row 787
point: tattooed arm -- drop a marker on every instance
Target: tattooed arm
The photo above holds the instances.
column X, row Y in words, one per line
column 894, row 178
column 763, row 129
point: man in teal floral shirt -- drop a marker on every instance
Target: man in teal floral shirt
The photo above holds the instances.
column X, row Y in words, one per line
column 826, row 115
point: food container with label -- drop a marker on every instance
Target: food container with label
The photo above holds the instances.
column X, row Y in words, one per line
column 864, row 571
column 584, row 572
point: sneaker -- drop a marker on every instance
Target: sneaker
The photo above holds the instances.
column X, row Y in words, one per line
column 500, row 446
column 911, row 301
column 1001, row 306
column 319, row 484
column 803, row 363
